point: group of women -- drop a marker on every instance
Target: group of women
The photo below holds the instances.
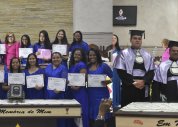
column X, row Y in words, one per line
column 82, row 60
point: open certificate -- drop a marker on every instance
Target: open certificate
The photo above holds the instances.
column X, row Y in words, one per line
column 56, row 83
column 2, row 49
column 1, row 76
column 95, row 80
column 76, row 79
column 16, row 78
column 24, row 52
column 60, row 48
column 35, row 80
column 44, row 54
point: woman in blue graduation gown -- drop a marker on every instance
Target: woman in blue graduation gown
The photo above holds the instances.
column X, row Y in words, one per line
column 79, row 43
column 61, row 39
column 25, row 43
column 32, row 68
column 95, row 94
column 116, row 80
column 43, row 43
column 3, row 68
column 78, row 65
column 14, row 68
column 57, row 70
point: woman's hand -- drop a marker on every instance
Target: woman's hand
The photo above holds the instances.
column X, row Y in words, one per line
column 5, row 87
column 37, row 87
column 106, row 82
column 65, row 57
column 37, row 53
column 57, row 91
column 75, row 87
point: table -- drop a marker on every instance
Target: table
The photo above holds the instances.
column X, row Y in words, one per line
column 147, row 114
column 41, row 113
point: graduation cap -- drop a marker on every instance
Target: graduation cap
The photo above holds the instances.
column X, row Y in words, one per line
column 173, row 43
column 137, row 32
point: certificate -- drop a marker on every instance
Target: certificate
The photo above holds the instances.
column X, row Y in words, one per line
column 2, row 49
column 16, row 78
column 60, row 48
column 76, row 79
column 44, row 54
column 95, row 80
column 35, row 80
column 2, row 76
column 56, row 83
column 24, row 52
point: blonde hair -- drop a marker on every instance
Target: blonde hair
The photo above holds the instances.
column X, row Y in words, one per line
column 165, row 42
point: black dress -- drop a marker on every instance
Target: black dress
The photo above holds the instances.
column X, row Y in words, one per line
column 170, row 90
column 129, row 92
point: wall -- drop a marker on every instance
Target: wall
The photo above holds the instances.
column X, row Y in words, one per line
column 94, row 19
column 32, row 16
column 157, row 17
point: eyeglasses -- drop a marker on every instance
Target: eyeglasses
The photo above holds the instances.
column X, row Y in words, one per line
column 10, row 36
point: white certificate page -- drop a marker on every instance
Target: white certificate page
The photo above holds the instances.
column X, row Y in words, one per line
column 60, row 48
column 35, row 80
column 2, row 76
column 95, row 80
column 2, row 49
column 16, row 78
column 24, row 52
column 76, row 79
column 56, row 84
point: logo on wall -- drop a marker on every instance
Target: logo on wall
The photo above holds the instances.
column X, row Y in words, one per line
column 124, row 15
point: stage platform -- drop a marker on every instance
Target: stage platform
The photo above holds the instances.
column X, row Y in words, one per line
column 146, row 114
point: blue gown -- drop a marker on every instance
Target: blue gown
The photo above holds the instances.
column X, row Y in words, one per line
column 35, row 49
column 116, row 86
column 83, row 45
column 3, row 94
column 81, row 94
column 59, row 72
column 32, row 93
column 24, row 60
column 95, row 94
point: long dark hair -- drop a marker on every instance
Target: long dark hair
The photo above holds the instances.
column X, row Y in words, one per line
column 28, row 64
column 28, row 41
column 98, row 56
column 117, row 42
column 11, row 68
column 64, row 40
column 81, row 36
column 47, row 43
column 72, row 61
